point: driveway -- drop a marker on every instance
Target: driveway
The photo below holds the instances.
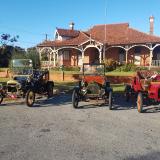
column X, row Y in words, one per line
column 53, row 130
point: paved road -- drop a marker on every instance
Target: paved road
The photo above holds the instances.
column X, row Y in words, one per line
column 53, row 130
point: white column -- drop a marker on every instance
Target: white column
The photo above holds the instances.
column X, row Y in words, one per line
column 104, row 53
column 82, row 56
column 54, row 58
column 100, row 56
column 150, row 58
column 126, row 56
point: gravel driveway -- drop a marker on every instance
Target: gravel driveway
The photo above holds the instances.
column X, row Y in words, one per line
column 53, row 130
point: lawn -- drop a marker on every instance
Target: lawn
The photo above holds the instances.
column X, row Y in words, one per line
column 68, row 86
column 120, row 73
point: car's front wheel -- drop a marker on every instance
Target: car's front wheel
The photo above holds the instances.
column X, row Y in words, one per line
column 30, row 98
column 127, row 92
column 110, row 100
column 50, row 90
column 75, row 98
column 1, row 98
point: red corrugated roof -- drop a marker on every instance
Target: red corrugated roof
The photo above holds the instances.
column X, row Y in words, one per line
column 67, row 32
column 111, row 34
column 70, row 42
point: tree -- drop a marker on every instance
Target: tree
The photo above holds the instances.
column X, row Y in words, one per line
column 6, row 38
column 6, row 49
column 34, row 56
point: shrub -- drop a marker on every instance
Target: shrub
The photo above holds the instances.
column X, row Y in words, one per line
column 127, row 67
column 110, row 64
column 67, row 68
column 71, row 68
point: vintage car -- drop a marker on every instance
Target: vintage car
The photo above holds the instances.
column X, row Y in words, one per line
column 93, row 86
column 145, row 86
column 26, row 82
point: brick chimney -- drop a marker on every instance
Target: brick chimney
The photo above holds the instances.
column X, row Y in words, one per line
column 151, row 21
column 71, row 26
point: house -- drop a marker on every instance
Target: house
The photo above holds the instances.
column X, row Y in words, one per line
column 120, row 42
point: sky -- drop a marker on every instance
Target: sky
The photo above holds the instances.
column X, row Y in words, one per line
column 32, row 19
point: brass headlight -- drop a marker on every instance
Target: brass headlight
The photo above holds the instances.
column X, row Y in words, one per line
column 18, row 86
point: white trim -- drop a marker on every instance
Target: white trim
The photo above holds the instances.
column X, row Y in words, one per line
column 41, row 50
column 68, row 48
column 89, row 41
column 91, row 46
column 156, row 46
column 141, row 45
column 115, row 47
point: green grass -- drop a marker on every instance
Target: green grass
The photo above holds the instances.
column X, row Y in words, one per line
column 65, row 72
column 120, row 73
column 118, row 88
column 3, row 69
column 3, row 80
column 107, row 73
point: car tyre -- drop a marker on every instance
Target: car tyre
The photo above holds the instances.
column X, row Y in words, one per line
column 30, row 98
column 127, row 93
column 50, row 90
column 110, row 100
column 1, row 98
column 75, row 99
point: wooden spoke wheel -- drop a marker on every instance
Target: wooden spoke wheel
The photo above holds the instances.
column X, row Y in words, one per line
column 50, row 90
column 30, row 98
column 140, row 102
column 75, row 98
column 1, row 98
column 127, row 92
column 110, row 100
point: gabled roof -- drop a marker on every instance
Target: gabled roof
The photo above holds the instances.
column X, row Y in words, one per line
column 82, row 37
column 114, row 34
column 110, row 34
column 67, row 32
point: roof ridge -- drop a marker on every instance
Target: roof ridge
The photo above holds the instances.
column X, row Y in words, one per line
column 147, row 34
column 84, row 34
column 125, row 23
column 68, row 29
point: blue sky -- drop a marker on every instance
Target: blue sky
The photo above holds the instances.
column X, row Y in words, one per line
column 31, row 19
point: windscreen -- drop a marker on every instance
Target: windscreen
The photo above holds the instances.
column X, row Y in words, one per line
column 22, row 63
column 95, row 69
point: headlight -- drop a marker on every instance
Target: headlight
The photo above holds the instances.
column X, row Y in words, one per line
column 18, row 86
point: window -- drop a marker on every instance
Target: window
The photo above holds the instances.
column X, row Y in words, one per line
column 66, row 55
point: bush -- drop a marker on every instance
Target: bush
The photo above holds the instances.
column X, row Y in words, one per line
column 110, row 64
column 67, row 68
column 71, row 68
column 127, row 67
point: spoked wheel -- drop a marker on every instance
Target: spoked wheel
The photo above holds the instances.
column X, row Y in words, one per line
column 140, row 102
column 1, row 98
column 50, row 90
column 30, row 98
column 110, row 100
column 75, row 99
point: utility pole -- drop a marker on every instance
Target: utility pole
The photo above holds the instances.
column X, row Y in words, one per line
column 46, row 37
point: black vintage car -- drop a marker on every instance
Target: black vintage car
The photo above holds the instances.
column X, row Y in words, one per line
column 93, row 86
column 26, row 82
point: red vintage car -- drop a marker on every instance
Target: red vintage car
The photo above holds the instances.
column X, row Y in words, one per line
column 93, row 86
column 146, row 86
